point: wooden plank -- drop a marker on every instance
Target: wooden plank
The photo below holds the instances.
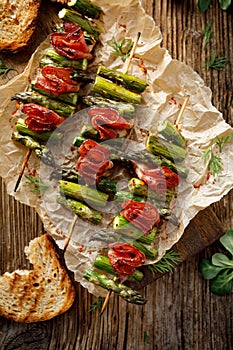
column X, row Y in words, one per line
column 201, row 232
column 181, row 313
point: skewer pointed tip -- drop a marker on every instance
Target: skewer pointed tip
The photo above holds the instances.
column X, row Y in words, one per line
column 70, row 233
column 105, row 303
column 26, row 158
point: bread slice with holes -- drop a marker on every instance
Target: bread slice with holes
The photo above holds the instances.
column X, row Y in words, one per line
column 41, row 293
column 17, row 23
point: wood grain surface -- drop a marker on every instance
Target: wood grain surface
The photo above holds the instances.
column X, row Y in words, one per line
column 180, row 313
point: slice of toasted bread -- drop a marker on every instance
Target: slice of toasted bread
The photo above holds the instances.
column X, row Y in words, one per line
column 38, row 294
column 17, row 23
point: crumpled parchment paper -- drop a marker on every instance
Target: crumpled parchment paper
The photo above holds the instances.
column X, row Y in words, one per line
column 170, row 81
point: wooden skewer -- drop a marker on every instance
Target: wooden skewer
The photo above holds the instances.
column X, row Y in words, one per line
column 70, row 233
column 181, row 112
column 106, row 300
column 132, row 53
column 26, row 158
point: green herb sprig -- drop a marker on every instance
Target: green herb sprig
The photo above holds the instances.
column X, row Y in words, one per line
column 38, row 186
column 215, row 62
column 212, row 156
column 219, row 269
column 121, row 48
column 204, row 4
column 96, row 305
column 166, row 264
column 4, row 69
column 207, row 34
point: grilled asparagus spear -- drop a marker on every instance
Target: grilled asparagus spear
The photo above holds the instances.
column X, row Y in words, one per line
column 166, row 149
column 72, row 16
column 113, row 91
column 40, row 150
column 81, row 209
column 130, row 295
column 22, row 129
column 83, row 193
column 126, row 110
column 86, row 8
column 51, row 57
column 61, row 108
column 70, row 98
column 102, row 263
column 128, row 81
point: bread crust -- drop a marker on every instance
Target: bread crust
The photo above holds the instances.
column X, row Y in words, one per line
column 17, row 23
column 39, row 294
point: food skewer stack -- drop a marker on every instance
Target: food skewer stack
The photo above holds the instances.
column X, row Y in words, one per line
column 53, row 95
column 113, row 98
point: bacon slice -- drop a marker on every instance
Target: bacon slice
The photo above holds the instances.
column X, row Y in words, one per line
column 141, row 214
column 125, row 258
column 71, row 43
column 56, row 80
column 158, row 179
column 93, row 161
column 41, row 119
column 108, row 122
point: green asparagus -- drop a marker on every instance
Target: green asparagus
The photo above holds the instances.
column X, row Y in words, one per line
column 140, row 188
column 40, row 150
column 168, row 150
column 130, row 295
column 123, row 225
column 83, row 193
column 81, row 209
column 81, row 78
column 102, row 263
column 128, row 81
column 61, row 108
column 111, row 90
column 149, row 250
column 22, row 128
column 171, row 133
column 70, row 98
column 86, row 8
column 72, row 16
column 126, row 110
column 51, row 57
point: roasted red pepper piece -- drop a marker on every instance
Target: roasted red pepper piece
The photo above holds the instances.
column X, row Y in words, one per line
column 41, row 119
column 56, row 80
column 93, row 161
column 108, row 121
column 125, row 258
column 141, row 214
column 71, row 43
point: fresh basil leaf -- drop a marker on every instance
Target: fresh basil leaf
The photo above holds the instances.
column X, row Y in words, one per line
column 227, row 241
column 208, row 270
column 203, row 5
column 224, row 4
column 221, row 284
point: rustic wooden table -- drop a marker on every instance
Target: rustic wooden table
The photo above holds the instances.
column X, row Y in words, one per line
column 181, row 313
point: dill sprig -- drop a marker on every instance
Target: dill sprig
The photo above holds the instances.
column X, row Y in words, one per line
column 4, row 69
column 207, row 34
column 215, row 62
column 97, row 305
column 212, row 155
column 166, row 264
column 39, row 187
column 121, row 48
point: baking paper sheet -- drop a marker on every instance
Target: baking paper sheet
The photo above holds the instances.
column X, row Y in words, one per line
column 170, row 81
